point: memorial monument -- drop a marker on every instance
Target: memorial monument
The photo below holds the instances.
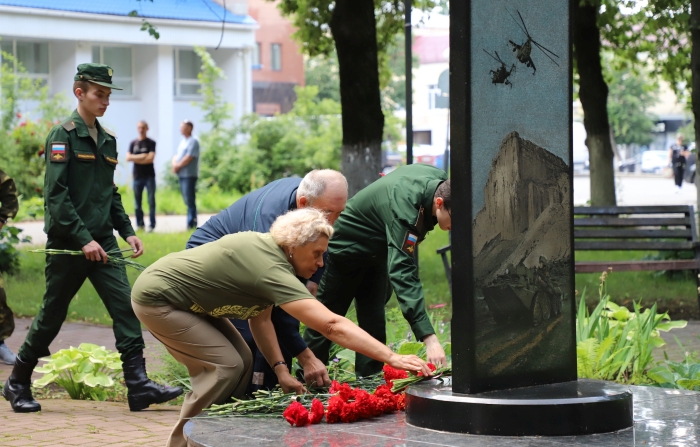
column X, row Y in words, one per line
column 513, row 337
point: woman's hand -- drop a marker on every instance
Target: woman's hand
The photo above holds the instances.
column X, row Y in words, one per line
column 410, row 363
column 288, row 383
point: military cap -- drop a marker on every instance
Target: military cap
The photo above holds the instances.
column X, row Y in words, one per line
column 96, row 73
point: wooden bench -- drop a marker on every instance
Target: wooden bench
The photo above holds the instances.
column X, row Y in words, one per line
column 630, row 228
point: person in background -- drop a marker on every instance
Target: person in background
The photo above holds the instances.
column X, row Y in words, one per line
column 186, row 166
column 677, row 156
column 142, row 152
column 9, row 205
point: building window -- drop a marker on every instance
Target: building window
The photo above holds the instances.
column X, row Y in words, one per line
column 31, row 59
column 187, row 66
column 120, row 60
column 422, row 137
column 276, row 57
column 256, row 56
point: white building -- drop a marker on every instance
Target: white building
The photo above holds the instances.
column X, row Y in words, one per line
column 52, row 37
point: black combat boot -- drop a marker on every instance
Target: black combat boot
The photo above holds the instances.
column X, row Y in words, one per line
column 17, row 389
column 143, row 391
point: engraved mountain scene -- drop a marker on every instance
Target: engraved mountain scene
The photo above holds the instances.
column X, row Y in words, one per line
column 522, row 252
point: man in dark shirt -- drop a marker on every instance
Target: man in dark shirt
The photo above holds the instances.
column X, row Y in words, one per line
column 326, row 190
column 142, row 151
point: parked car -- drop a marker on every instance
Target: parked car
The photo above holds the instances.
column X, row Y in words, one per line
column 654, row 161
column 630, row 164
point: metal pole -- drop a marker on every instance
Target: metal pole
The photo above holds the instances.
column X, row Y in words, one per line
column 409, row 82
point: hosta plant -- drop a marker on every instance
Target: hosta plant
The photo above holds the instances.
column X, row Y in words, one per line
column 86, row 372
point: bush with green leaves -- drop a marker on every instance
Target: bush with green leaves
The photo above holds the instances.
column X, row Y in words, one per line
column 683, row 375
column 9, row 255
column 614, row 343
column 86, row 372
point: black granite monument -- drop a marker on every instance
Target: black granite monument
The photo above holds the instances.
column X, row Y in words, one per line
column 513, row 337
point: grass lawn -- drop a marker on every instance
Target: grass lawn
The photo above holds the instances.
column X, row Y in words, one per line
column 25, row 289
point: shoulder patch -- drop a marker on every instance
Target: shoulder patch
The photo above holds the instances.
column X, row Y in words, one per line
column 409, row 243
column 68, row 125
column 59, row 152
column 109, row 132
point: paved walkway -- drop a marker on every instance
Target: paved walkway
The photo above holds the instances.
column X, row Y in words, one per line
column 64, row 422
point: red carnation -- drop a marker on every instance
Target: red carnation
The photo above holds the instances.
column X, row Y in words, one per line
column 344, row 390
column 335, row 409
column 391, row 374
column 350, row 413
column 401, row 402
column 386, row 400
column 296, row 414
column 316, row 411
column 432, row 368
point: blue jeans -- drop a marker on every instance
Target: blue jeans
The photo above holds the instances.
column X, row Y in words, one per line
column 150, row 184
column 187, row 188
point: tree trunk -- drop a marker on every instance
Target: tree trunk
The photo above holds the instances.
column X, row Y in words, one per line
column 593, row 92
column 354, row 30
column 695, row 83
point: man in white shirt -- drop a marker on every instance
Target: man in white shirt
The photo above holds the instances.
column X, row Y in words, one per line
column 186, row 166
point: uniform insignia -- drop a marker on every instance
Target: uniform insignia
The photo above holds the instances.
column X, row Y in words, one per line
column 109, row 71
column 68, row 125
column 409, row 244
column 109, row 132
column 58, row 153
column 114, row 161
column 420, row 219
column 84, row 156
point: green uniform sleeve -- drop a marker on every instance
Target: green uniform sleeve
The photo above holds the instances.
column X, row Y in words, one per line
column 8, row 197
column 120, row 220
column 403, row 276
column 57, row 196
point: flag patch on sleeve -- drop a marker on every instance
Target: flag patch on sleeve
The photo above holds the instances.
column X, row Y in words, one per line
column 59, row 153
column 409, row 245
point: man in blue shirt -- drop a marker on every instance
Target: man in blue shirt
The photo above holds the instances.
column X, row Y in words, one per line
column 186, row 166
column 326, row 190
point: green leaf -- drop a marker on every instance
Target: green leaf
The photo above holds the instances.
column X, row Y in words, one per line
column 47, row 379
column 346, row 354
column 668, row 325
column 98, row 379
column 410, row 348
column 661, row 374
column 688, row 384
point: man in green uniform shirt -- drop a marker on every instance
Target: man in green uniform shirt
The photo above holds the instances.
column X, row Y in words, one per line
column 83, row 209
column 8, row 208
column 371, row 253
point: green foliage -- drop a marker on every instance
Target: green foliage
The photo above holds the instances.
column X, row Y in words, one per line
column 613, row 343
column 306, row 138
column 9, row 255
column 22, row 135
column 86, row 372
column 171, row 372
column 683, row 375
column 631, row 94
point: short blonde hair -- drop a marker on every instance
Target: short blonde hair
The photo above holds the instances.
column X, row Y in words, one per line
column 299, row 227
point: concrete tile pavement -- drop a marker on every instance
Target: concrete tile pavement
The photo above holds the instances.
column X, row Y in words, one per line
column 64, row 422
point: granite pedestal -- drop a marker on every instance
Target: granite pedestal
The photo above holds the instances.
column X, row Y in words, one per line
column 661, row 418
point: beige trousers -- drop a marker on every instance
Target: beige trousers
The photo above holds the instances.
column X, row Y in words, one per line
column 215, row 354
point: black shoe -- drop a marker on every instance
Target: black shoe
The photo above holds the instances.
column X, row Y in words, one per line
column 18, row 390
column 143, row 391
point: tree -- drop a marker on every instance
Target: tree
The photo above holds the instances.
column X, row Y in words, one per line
column 360, row 31
column 593, row 93
column 631, row 94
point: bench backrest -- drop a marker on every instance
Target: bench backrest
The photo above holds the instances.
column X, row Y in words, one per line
column 635, row 228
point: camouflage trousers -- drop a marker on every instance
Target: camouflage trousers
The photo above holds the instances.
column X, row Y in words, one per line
column 7, row 320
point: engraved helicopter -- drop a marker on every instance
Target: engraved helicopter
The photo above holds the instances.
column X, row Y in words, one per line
column 501, row 74
column 522, row 52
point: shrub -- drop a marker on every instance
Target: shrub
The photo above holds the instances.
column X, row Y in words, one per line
column 85, row 372
column 9, row 255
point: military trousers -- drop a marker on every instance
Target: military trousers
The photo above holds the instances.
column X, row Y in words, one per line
column 365, row 281
column 7, row 319
column 65, row 274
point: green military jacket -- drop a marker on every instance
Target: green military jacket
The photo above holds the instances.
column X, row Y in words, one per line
column 8, row 197
column 81, row 202
column 385, row 221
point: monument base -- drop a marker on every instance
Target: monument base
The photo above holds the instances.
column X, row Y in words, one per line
column 561, row 409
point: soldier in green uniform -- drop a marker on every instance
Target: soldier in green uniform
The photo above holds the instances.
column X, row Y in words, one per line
column 371, row 253
column 8, row 208
column 82, row 209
